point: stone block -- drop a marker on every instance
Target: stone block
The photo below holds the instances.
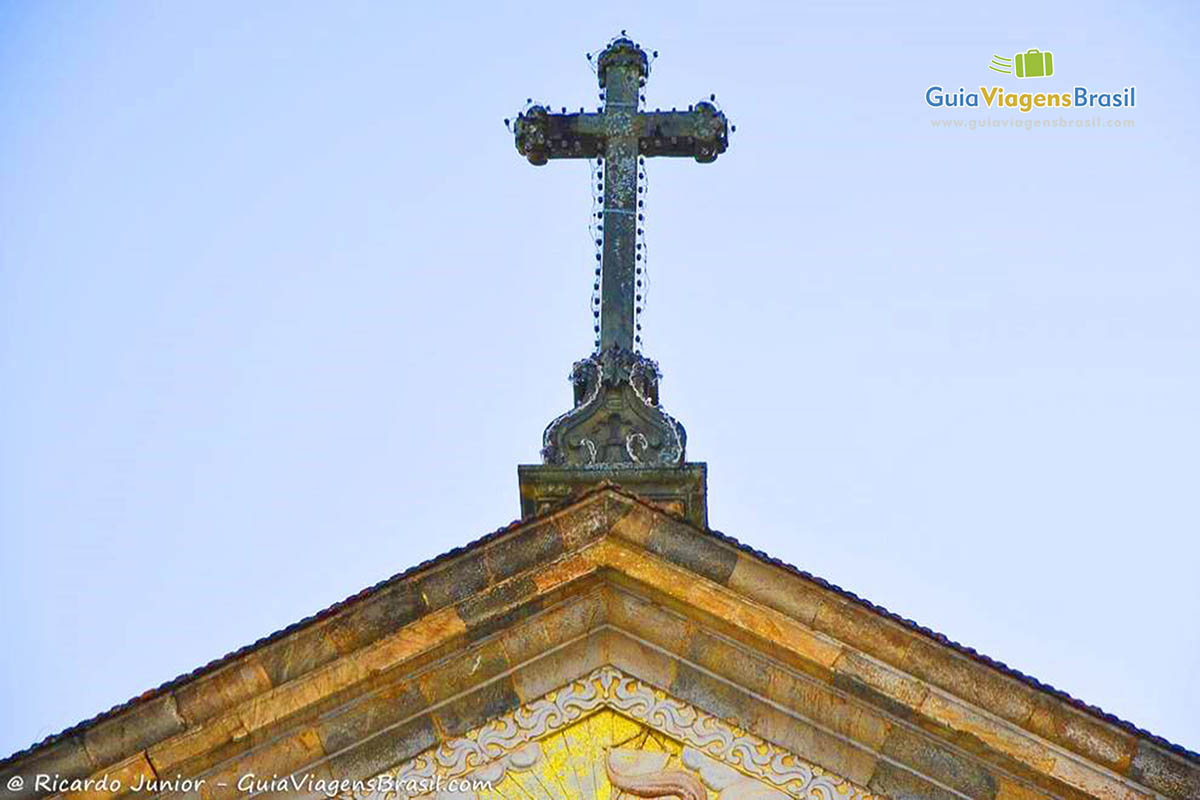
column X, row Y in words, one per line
column 781, row 639
column 1009, row 789
column 559, row 667
column 859, row 627
column 503, row 621
column 648, row 620
column 932, row 759
column 1090, row 780
column 463, row 577
column 966, row 720
column 820, row 747
column 880, row 685
column 137, row 728
column 1083, row 734
column 585, row 523
column 385, row 750
column 713, row 695
column 374, row 617
column 530, row 638
column 66, row 758
column 281, row 757
column 122, row 777
column 475, row 708
column 1165, row 772
column 204, row 698
column 307, row 695
column 634, row 524
column 735, row 663
column 900, row 784
column 777, row 588
column 567, row 620
column 477, row 609
column 296, row 654
column 687, row 547
column 200, row 746
column 560, row 575
column 463, row 672
column 427, row 634
column 828, row 709
column 974, row 682
column 635, row 658
column 528, row 548
column 367, row 715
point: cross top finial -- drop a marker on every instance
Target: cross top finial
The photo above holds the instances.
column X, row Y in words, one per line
column 623, row 52
column 616, row 389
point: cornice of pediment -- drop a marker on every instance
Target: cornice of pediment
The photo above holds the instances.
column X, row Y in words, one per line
column 434, row 613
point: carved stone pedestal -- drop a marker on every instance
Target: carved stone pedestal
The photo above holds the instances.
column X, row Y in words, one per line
column 681, row 490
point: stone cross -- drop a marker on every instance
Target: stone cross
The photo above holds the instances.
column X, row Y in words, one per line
column 618, row 135
column 617, row 429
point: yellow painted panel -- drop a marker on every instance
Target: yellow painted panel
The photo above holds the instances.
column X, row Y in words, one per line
column 572, row 762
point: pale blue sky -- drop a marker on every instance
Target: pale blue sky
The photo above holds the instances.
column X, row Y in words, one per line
column 281, row 309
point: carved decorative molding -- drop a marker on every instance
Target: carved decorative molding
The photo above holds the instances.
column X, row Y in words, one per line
column 617, row 419
column 710, row 746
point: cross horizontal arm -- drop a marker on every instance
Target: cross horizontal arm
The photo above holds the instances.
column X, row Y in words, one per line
column 702, row 133
column 542, row 135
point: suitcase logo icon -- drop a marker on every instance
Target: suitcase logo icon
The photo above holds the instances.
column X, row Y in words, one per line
column 1033, row 63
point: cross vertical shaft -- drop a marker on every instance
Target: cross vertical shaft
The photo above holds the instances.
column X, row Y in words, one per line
column 621, row 71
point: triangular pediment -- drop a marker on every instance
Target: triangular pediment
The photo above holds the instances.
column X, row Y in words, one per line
column 610, row 582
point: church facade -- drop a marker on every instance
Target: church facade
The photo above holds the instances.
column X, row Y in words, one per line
column 608, row 644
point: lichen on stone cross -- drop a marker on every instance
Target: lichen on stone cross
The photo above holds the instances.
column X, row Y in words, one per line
column 616, row 389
